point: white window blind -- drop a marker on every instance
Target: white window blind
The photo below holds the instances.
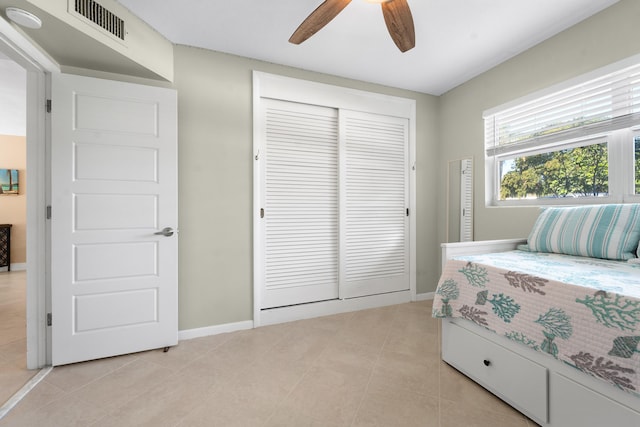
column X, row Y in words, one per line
column 597, row 106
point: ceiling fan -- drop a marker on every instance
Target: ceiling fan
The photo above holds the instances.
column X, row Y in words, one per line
column 397, row 16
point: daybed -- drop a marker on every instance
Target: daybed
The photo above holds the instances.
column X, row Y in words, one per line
column 551, row 324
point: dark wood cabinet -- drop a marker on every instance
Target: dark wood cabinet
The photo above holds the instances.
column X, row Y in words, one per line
column 5, row 245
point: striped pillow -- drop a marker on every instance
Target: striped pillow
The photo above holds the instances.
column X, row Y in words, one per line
column 603, row 231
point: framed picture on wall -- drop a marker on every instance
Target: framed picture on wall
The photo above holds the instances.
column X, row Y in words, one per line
column 9, row 181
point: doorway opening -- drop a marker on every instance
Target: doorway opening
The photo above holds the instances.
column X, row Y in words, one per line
column 13, row 222
column 18, row 52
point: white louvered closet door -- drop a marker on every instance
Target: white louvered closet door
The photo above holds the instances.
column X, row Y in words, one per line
column 300, row 200
column 466, row 200
column 374, row 201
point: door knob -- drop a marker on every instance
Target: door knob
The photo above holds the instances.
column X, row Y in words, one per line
column 167, row 232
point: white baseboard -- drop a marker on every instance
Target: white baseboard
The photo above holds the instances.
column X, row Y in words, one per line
column 327, row 308
column 425, row 296
column 306, row 311
column 21, row 266
column 188, row 334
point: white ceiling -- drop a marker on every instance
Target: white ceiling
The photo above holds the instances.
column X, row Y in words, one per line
column 455, row 39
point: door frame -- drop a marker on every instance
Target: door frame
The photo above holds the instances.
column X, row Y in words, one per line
column 39, row 67
column 267, row 85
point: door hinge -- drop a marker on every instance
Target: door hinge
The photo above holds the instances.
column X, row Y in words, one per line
column 407, row 211
column 49, row 320
column 48, row 212
column 261, row 212
column 48, row 105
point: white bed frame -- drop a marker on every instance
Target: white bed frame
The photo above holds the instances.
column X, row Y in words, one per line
column 546, row 390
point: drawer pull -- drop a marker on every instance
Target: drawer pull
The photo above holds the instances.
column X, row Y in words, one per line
column 486, row 362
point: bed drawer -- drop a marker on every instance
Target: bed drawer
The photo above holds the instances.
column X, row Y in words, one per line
column 595, row 409
column 515, row 379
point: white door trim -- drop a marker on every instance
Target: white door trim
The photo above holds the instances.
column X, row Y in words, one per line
column 279, row 87
column 38, row 66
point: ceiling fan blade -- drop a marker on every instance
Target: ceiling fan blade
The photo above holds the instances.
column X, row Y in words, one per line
column 318, row 19
column 399, row 20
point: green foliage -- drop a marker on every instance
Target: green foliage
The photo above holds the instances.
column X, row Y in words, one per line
column 613, row 311
column 556, row 322
column 637, row 157
column 504, row 307
column 580, row 171
column 476, row 275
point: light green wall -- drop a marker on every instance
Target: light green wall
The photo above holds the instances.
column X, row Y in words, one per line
column 215, row 151
column 605, row 38
column 215, row 182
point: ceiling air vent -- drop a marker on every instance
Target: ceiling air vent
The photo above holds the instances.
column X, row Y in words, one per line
column 100, row 16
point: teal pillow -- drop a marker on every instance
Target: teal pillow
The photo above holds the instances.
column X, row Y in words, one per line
column 602, row 231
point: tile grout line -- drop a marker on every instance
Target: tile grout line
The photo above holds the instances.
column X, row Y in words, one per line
column 234, row 377
column 205, row 353
column 311, row 365
column 75, row 390
column 20, row 394
column 398, row 320
column 366, row 389
column 275, row 409
column 178, row 373
column 99, row 405
column 172, row 373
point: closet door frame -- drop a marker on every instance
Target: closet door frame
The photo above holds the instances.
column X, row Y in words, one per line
column 272, row 86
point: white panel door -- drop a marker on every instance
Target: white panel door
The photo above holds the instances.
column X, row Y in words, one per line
column 114, row 279
column 299, row 228
column 374, row 216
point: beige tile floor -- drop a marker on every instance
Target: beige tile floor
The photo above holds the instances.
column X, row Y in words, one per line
column 377, row 367
column 13, row 333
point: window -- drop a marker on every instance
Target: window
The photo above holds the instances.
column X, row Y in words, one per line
column 571, row 145
column 581, row 171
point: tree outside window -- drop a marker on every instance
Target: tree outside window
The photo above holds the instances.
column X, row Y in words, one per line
column 571, row 172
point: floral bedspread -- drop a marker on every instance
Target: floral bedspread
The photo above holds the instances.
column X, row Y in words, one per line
column 582, row 311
